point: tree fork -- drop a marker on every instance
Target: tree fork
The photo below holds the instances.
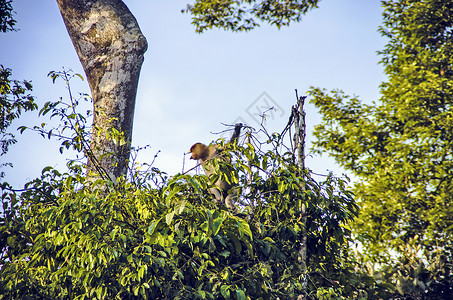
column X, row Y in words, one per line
column 110, row 47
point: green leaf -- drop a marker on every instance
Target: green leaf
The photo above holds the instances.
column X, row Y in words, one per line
column 169, row 217
column 217, row 225
column 225, row 291
column 152, row 227
column 240, row 295
column 80, row 76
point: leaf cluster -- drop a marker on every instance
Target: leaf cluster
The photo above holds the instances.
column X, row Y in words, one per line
column 15, row 98
column 244, row 15
column 7, row 21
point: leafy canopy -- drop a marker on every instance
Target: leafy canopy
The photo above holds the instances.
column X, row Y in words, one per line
column 154, row 236
column 400, row 148
column 244, row 15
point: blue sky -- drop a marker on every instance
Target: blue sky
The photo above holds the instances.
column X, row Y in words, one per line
column 191, row 83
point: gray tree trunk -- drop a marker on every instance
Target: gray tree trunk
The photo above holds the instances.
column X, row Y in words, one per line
column 299, row 142
column 110, row 47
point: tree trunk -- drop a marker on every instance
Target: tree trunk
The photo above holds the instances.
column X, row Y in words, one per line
column 110, row 47
column 299, row 143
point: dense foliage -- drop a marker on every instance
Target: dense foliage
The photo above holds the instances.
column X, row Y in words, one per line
column 68, row 235
column 69, row 238
column 245, row 15
column 72, row 236
column 400, row 149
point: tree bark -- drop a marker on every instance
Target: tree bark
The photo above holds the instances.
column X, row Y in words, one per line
column 299, row 142
column 110, row 47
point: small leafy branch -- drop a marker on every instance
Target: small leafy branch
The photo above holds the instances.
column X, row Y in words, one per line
column 15, row 98
column 246, row 15
column 70, row 120
column 73, row 129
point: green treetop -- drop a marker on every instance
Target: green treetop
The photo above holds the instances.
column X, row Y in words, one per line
column 400, row 148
